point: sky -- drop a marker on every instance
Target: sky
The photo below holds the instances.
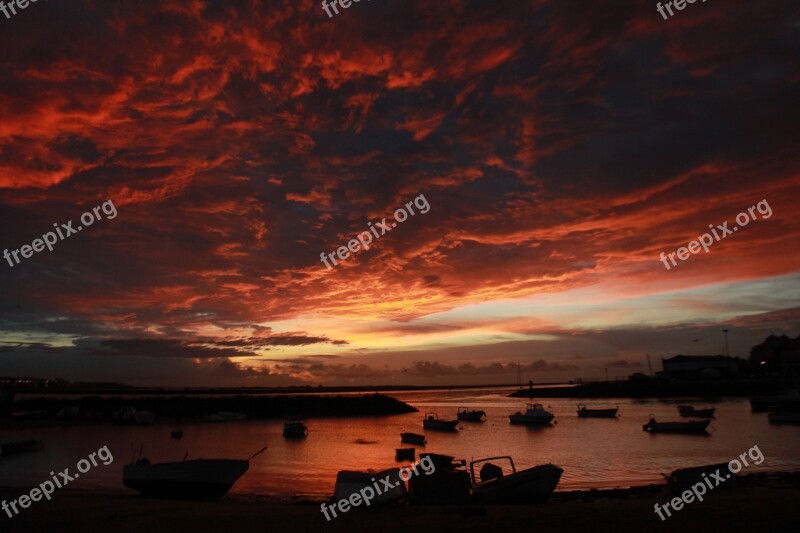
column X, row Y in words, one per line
column 550, row 150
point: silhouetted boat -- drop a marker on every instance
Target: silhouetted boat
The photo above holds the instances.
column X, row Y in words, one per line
column 788, row 397
column 535, row 414
column 294, row 427
column 689, row 426
column 585, row 412
column 193, row 479
column 465, row 415
column 404, row 454
column 780, row 416
column 690, row 411
column 532, row 485
column 413, row 438
column 11, row 448
column 683, row 479
column 432, row 421
column 177, row 434
column 350, row 482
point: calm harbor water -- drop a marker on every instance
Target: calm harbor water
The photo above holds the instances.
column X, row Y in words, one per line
column 594, row 453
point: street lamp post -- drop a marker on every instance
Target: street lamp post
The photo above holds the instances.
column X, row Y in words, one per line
column 727, row 352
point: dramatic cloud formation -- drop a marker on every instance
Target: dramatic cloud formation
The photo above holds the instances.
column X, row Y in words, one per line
column 562, row 146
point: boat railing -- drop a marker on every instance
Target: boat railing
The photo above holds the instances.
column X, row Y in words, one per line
column 486, row 460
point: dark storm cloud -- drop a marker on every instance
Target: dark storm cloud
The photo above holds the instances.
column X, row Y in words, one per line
column 558, row 142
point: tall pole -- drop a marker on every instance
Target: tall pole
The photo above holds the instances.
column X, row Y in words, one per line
column 727, row 352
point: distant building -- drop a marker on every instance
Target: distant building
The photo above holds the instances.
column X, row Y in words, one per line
column 702, row 366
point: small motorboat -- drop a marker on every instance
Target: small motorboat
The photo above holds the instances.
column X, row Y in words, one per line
column 689, row 426
column 23, row 446
column 786, row 398
column 294, row 428
column 781, row 416
column 350, row 482
column 532, row 485
column 405, row 454
column 689, row 411
column 176, row 434
column 535, row 414
column 585, row 412
column 467, row 415
column 432, row 421
column 413, row 438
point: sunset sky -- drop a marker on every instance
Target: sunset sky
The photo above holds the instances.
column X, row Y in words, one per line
column 561, row 145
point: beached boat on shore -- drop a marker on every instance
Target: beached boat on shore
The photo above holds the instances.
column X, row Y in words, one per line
column 350, row 482
column 689, row 411
column 688, row 426
column 532, row 485
column 194, row 479
column 535, row 414
column 432, row 421
column 467, row 415
column 413, row 438
column 585, row 412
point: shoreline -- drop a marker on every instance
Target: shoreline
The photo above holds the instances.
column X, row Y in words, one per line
column 768, row 503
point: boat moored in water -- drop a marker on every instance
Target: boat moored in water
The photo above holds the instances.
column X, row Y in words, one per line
column 350, row 482
column 294, row 427
column 688, row 426
column 467, row 415
column 585, row 412
column 535, row 414
column 432, row 421
column 413, row 438
column 782, row 416
column 788, row 398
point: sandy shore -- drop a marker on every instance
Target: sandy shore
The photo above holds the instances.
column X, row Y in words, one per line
column 745, row 509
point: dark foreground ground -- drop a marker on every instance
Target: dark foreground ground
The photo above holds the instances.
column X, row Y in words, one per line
column 747, row 509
